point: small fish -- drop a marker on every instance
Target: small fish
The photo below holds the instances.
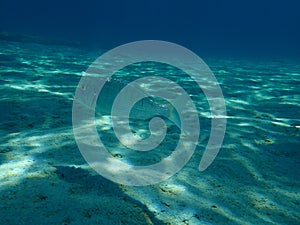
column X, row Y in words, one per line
column 145, row 109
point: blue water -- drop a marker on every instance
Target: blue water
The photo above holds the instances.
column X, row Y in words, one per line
column 208, row 26
column 252, row 47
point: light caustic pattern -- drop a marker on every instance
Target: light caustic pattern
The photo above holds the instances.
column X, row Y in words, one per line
column 180, row 110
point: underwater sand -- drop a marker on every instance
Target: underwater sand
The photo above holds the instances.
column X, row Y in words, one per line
column 45, row 180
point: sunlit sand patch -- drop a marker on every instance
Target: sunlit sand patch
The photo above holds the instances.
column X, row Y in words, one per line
column 14, row 171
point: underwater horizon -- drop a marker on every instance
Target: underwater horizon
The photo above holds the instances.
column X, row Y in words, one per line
column 254, row 28
column 224, row 76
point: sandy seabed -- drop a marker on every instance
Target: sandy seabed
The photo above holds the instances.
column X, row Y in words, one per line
column 45, row 180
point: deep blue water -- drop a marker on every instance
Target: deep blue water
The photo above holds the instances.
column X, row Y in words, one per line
column 244, row 27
